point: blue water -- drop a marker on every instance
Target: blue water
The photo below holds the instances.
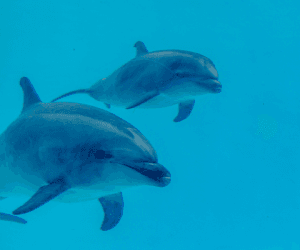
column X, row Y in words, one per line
column 234, row 161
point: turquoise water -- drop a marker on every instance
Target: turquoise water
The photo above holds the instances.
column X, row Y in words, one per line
column 234, row 161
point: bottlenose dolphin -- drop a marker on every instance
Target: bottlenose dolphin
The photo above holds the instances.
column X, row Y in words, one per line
column 157, row 79
column 73, row 152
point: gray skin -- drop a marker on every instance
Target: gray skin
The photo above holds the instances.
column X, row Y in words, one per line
column 157, row 79
column 73, row 152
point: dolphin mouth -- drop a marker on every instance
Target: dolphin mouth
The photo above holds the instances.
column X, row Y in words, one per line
column 211, row 84
column 156, row 172
column 215, row 86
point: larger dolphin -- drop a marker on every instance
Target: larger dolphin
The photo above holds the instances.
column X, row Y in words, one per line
column 73, row 152
column 157, row 79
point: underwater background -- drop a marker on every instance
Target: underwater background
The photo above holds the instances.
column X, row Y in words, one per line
column 234, row 162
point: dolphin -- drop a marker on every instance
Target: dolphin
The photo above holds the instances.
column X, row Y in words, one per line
column 73, row 152
column 157, row 79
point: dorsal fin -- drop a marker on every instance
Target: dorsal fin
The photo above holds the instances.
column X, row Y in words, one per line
column 140, row 48
column 30, row 95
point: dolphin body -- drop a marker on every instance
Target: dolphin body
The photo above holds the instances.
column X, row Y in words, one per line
column 157, row 79
column 73, row 152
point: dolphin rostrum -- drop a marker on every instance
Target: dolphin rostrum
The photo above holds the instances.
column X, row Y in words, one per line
column 157, row 79
column 73, row 152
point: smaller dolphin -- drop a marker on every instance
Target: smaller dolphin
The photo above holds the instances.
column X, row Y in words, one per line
column 73, row 152
column 157, row 79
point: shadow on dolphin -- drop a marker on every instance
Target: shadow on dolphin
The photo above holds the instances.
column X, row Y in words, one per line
column 73, row 152
column 157, row 79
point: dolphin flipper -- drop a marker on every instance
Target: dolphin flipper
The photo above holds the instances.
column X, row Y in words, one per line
column 107, row 105
column 113, row 210
column 12, row 218
column 145, row 98
column 2, row 198
column 42, row 196
column 184, row 110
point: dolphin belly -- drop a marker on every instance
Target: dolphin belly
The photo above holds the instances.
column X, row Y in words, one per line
column 175, row 93
column 161, row 101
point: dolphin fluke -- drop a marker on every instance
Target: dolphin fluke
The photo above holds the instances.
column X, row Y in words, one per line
column 42, row 196
column 113, row 210
column 184, row 110
column 79, row 91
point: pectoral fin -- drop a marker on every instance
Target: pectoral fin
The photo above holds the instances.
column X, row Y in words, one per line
column 113, row 210
column 12, row 218
column 42, row 196
column 107, row 105
column 184, row 110
column 144, row 99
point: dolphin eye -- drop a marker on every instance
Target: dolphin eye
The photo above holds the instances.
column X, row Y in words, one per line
column 101, row 154
column 183, row 67
column 175, row 65
column 93, row 154
column 183, row 74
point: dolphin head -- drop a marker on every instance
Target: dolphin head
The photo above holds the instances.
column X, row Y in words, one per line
column 104, row 170
column 117, row 157
column 137, row 161
column 196, row 70
column 156, row 174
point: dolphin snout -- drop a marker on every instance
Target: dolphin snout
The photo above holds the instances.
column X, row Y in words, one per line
column 156, row 172
column 211, row 85
column 216, row 86
column 212, row 72
column 165, row 180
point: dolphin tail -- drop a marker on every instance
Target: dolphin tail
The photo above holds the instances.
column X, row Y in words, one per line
column 79, row 91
